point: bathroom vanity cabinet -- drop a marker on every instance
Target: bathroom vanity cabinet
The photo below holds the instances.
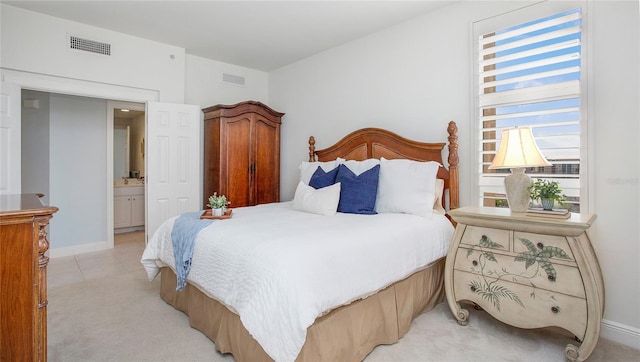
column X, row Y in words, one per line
column 128, row 206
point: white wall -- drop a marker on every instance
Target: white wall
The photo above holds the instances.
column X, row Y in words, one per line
column 615, row 110
column 415, row 77
column 78, row 169
column 35, row 145
column 204, row 86
column 37, row 44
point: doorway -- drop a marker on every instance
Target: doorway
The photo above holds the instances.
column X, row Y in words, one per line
column 97, row 202
column 96, row 233
column 128, row 144
column 128, row 148
column 63, row 141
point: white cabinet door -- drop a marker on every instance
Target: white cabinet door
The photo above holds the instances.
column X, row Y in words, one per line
column 172, row 159
column 121, row 211
column 10, row 134
column 137, row 210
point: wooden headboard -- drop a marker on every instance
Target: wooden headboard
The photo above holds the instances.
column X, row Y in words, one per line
column 375, row 143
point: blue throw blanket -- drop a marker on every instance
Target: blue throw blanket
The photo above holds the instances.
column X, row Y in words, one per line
column 185, row 229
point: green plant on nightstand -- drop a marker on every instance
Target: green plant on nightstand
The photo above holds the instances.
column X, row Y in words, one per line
column 548, row 192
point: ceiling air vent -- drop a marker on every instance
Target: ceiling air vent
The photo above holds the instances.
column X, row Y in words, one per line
column 233, row 79
column 87, row 45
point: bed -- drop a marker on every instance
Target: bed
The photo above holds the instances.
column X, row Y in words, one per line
column 287, row 289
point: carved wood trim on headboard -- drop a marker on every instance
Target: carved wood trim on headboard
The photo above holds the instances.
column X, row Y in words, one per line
column 375, row 143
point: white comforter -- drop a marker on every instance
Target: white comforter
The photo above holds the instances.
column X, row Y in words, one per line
column 279, row 268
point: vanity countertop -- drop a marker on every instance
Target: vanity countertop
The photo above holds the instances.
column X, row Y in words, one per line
column 130, row 183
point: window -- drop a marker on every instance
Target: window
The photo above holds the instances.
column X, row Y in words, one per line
column 530, row 75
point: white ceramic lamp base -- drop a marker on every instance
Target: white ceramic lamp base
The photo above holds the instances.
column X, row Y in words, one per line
column 517, row 186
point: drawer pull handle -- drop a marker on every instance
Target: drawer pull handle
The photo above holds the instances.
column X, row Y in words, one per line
column 475, row 263
column 552, row 278
column 555, row 309
column 540, row 245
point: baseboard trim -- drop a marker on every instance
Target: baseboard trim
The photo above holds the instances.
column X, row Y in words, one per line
column 78, row 249
column 621, row 333
column 128, row 230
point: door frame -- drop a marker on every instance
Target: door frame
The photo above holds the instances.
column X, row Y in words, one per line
column 111, row 106
column 11, row 130
column 83, row 88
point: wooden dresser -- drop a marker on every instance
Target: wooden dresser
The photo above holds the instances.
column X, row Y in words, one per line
column 242, row 153
column 526, row 271
column 23, row 277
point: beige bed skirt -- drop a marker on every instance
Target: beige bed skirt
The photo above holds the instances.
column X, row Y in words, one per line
column 347, row 333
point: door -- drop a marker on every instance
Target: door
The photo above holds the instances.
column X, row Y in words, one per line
column 236, row 151
column 172, row 162
column 121, row 211
column 10, row 134
column 137, row 210
column 266, row 164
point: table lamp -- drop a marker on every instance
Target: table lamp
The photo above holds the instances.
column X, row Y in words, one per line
column 518, row 150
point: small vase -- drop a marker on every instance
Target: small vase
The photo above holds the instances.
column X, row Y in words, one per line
column 217, row 212
column 547, row 204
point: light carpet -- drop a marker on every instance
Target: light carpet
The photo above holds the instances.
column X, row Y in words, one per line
column 122, row 318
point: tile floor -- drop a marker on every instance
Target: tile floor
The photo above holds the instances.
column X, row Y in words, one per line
column 125, row 256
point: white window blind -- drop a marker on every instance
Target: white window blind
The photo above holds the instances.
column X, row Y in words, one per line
column 529, row 74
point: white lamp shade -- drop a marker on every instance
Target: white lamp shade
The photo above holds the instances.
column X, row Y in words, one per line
column 518, row 149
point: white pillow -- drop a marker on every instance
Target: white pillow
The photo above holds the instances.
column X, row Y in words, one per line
column 322, row 201
column 407, row 186
column 358, row 167
column 308, row 168
column 437, row 205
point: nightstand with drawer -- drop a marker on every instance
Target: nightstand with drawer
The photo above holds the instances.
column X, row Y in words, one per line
column 527, row 271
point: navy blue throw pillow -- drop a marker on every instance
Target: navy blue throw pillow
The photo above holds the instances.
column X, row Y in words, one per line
column 321, row 179
column 358, row 193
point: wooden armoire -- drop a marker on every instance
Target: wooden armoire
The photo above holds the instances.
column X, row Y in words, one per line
column 242, row 153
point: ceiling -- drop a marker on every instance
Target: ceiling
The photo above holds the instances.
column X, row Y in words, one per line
column 130, row 114
column 262, row 35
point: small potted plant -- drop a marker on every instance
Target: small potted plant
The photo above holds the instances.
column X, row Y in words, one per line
column 217, row 204
column 548, row 192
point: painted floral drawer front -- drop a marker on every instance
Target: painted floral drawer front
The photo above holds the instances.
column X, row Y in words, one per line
column 550, row 242
column 534, row 267
column 473, row 234
column 537, row 275
column 514, row 305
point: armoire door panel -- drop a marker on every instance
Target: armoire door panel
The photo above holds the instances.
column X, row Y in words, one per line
column 267, row 163
column 211, row 160
column 237, row 162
